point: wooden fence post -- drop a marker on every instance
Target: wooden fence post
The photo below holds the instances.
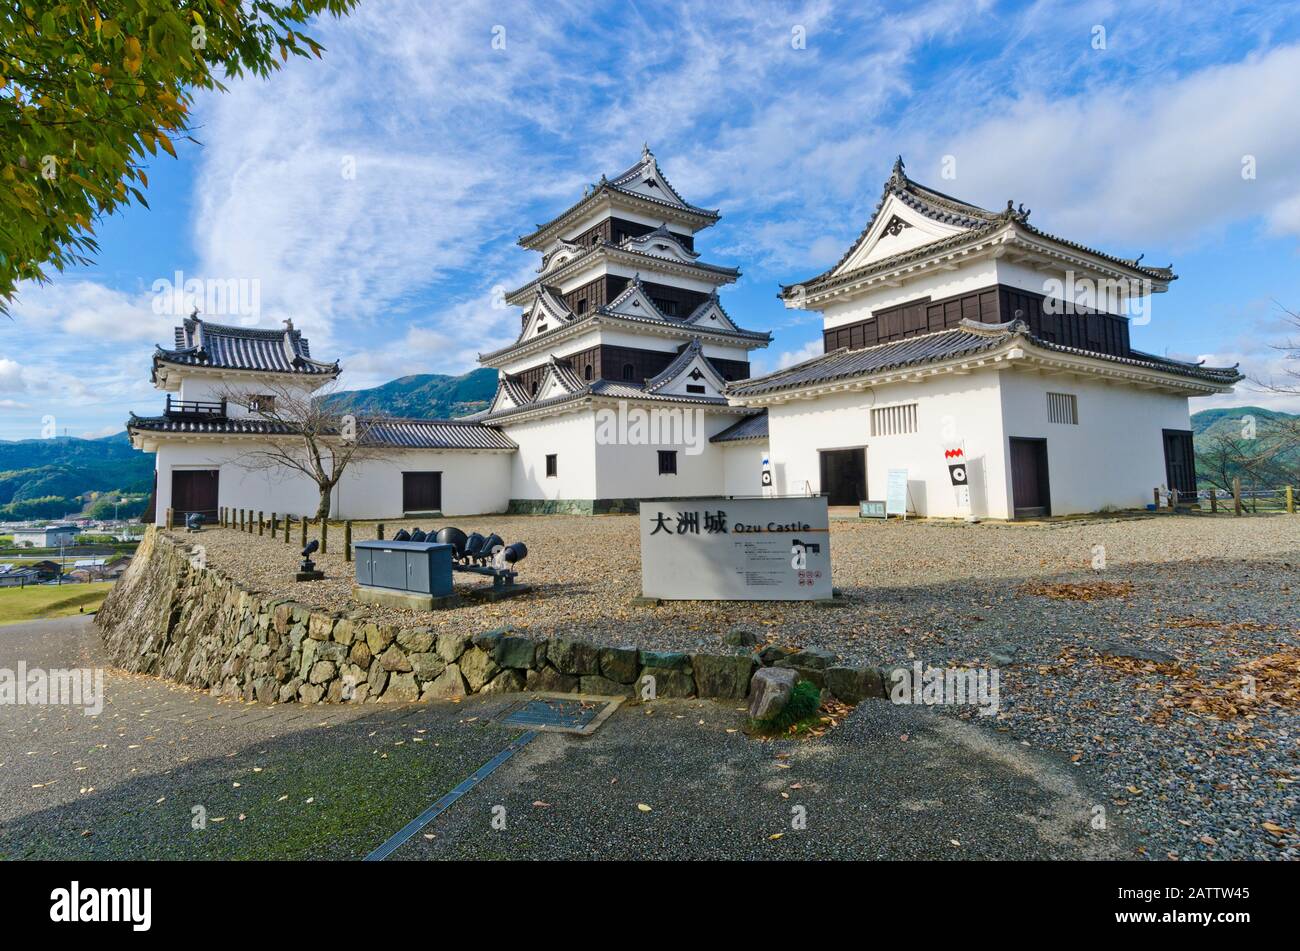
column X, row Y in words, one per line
column 1214, row 501
column 275, row 525
column 171, row 517
column 379, row 529
column 347, row 541
column 288, row 520
column 304, row 531
column 260, row 519
column 1290, row 501
column 1236, row 496
column 324, row 535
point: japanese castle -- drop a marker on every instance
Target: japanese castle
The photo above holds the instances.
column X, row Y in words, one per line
column 949, row 329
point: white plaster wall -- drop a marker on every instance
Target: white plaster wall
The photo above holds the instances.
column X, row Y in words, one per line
column 473, row 483
column 948, row 408
column 572, row 438
column 283, row 490
column 209, row 389
column 1113, row 457
column 936, row 285
column 742, row 467
column 632, row 471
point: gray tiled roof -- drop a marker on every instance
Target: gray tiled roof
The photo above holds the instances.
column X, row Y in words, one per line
column 751, row 427
column 978, row 222
column 609, row 389
column 392, row 433
column 966, row 340
column 845, row 363
column 201, row 344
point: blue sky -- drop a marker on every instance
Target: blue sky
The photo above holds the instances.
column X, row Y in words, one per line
column 375, row 196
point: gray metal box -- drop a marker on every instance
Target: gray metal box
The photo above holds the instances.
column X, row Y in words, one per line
column 420, row 567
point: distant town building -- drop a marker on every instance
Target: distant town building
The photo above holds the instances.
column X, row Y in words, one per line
column 51, row 536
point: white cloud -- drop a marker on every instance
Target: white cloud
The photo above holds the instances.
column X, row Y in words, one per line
column 11, row 376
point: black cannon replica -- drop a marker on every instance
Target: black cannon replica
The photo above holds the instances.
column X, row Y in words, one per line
column 415, row 568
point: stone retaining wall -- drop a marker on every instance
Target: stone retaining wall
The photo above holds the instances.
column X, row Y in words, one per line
column 171, row 618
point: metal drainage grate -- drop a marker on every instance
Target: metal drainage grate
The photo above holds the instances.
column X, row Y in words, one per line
column 575, row 713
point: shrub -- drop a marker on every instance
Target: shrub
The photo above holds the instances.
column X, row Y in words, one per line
column 804, row 700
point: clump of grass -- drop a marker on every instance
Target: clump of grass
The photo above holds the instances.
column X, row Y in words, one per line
column 805, row 699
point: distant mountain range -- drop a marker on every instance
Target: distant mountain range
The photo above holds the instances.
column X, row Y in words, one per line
column 49, row 478
column 425, row 395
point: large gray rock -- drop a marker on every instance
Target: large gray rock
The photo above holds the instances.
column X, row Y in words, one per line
column 452, row 645
column 427, row 666
column 1135, row 652
column 516, row 652
column 740, row 637
column 416, row 640
column 550, row 680
column 322, row 672
column 573, row 657
column 669, row 683
column 378, row 638
column 813, row 658
column 395, row 659
column 726, row 677
column 508, row 681
column 854, row 684
column 402, row 688
column 619, row 664
column 477, row 667
column 772, row 653
column 671, row 660
column 604, row 687
column 769, row 690
column 448, row 684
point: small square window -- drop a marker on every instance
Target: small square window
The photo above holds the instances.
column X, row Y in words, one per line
column 668, row 462
column 695, row 388
column 552, row 465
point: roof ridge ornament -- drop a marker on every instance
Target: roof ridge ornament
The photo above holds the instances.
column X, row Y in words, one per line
column 898, row 175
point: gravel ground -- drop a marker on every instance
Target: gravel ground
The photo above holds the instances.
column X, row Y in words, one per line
column 1208, row 594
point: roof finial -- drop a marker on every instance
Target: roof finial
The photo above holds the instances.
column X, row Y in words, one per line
column 194, row 314
column 898, row 174
column 646, row 154
column 1138, row 259
column 288, row 324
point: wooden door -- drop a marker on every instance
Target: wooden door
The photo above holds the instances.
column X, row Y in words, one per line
column 194, row 490
column 844, row 476
column 421, row 491
column 1030, row 493
column 1180, row 462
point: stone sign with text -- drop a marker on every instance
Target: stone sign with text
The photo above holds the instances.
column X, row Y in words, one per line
column 736, row 549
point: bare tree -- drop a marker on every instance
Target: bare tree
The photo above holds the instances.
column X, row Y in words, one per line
column 1285, row 430
column 305, row 434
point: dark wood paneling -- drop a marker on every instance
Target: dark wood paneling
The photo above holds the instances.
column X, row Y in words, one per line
column 194, row 490
column 614, row 230
column 421, row 491
column 1087, row 330
column 673, row 301
column 1180, row 462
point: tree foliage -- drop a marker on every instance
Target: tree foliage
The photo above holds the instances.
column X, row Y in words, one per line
column 90, row 88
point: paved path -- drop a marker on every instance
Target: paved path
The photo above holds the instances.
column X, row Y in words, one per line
column 335, row 781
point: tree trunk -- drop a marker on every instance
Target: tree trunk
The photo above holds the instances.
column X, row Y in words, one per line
column 323, row 509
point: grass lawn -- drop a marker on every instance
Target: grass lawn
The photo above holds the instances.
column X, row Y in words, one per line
column 37, row 602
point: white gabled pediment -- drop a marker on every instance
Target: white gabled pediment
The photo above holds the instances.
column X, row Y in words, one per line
column 711, row 316
column 545, row 313
column 690, row 374
column 560, row 380
column 662, row 243
column 897, row 228
column 504, row 398
column 560, row 255
column 634, row 302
